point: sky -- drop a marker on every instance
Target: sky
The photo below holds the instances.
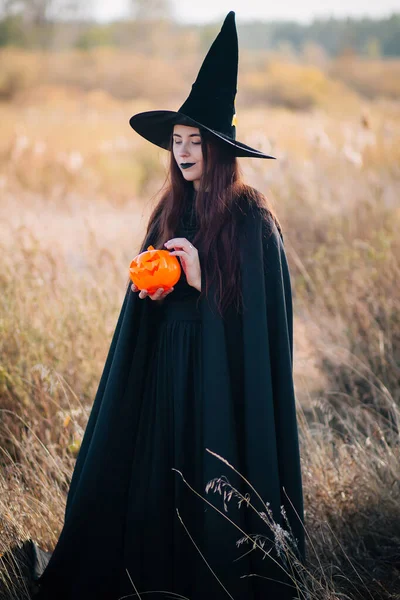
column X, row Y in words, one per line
column 304, row 11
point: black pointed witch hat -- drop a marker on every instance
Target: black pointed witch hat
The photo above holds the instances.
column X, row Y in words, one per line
column 211, row 102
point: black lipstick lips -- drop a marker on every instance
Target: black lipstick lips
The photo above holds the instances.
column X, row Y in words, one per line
column 187, row 165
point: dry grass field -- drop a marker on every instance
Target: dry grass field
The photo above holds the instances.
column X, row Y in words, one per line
column 76, row 188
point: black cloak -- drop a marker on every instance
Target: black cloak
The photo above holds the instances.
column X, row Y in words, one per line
column 249, row 419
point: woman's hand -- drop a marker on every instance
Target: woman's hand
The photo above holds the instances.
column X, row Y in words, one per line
column 158, row 295
column 189, row 259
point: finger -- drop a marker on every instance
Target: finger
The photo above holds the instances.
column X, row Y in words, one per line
column 174, row 241
column 179, row 253
column 157, row 294
column 180, row 243
column 134, row 288
column 167, row 292
column 143, row 294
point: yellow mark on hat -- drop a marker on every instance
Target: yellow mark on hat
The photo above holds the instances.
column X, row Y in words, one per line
column 234, row 120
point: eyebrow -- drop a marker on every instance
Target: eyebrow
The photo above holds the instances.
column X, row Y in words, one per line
column 191, row 135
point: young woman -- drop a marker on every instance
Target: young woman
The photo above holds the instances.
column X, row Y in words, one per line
column 197, row 380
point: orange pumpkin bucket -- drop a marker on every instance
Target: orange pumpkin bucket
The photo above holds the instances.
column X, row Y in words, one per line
column 153, row 269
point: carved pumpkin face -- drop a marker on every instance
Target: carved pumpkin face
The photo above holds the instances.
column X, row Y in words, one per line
column 153, row 269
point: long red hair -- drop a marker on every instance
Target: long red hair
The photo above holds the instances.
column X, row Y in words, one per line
column 219, row 205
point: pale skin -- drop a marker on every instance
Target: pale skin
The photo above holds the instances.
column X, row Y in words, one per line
column 186, row 150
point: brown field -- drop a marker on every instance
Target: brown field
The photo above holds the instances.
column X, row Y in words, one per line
column 76, row 188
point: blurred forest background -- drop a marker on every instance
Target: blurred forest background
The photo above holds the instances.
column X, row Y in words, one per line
column 76, row 188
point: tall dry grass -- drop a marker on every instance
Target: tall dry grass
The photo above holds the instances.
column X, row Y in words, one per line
column 76, row 189
column 296, row 82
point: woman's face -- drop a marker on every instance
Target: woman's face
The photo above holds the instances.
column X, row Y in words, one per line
column 188, row 154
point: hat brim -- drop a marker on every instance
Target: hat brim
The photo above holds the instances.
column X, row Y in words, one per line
column 156, row 127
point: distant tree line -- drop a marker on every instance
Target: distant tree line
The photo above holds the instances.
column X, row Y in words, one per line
column 363, row 36
column 54, row 24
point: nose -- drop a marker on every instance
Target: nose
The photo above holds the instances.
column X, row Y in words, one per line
column 183, row 150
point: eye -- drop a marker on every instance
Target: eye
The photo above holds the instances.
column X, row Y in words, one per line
column 196, row 143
